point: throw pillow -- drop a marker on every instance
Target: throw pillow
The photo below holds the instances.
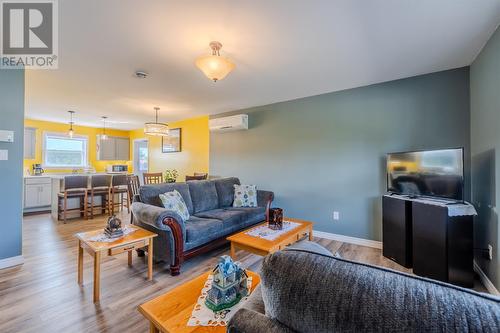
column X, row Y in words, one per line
column 173, row 201
column 245, row 196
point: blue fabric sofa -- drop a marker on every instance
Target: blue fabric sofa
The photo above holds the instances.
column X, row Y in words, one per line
column 212, row 217
column 306, row 289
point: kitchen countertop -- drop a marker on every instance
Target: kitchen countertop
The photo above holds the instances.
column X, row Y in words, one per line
column 62, row 175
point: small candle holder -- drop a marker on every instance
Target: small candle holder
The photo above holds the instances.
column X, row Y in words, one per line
column 275, row 220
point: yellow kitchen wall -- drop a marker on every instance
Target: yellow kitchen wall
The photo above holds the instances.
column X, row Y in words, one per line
column 194, row 155
column 91, row 132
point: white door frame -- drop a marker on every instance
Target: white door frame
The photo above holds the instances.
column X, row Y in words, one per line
column 136, row 170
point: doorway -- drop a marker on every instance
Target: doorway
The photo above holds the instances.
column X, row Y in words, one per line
column 141, row 157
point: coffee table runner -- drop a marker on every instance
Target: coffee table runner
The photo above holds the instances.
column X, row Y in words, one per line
column 203, row 316
column 267, row 233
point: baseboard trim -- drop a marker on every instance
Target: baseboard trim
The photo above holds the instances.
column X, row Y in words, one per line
column 348, row 239
column 11, row 262
column 485, row 280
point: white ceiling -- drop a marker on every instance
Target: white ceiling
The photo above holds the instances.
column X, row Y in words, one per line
column 283, row 49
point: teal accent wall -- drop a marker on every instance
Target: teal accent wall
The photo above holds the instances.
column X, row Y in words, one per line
column 11, row 171
column 327, row 153
column 485, row 145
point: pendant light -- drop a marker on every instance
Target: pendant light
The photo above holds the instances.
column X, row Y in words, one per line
column 103, row 135
column 214, row 66
column 156, row 128
column 71, row 132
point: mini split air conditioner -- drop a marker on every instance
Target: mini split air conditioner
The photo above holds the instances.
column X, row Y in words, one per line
column 231, row 123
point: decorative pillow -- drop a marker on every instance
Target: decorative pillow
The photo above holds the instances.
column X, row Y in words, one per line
column 245, row 196
column 173, row 201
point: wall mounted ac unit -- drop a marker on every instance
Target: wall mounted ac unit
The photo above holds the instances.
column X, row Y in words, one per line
column 231, row 123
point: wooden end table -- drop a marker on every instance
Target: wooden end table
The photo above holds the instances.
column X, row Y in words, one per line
column 135, row 240
column 170, row 312
column 264, row 247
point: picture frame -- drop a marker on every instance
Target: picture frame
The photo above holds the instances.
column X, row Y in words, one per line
column 172, row 143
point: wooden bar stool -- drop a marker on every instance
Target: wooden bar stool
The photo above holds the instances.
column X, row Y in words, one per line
column 153, row 178
column 119, row 187
column 74, row 187
column 100, row 185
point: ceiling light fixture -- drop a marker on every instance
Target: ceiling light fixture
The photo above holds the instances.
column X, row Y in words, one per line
column 103, row 135
column 156, row 128
column 214, row 66
column 71, row 132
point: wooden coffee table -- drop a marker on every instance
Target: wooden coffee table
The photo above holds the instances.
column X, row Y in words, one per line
column 170, row 312
column 135, row 240
column 264, row 247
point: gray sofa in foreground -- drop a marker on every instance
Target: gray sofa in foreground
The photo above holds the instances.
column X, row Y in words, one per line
column 212, row 217
column 308, row 290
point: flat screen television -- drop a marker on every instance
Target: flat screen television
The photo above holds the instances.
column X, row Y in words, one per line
column 430, row 173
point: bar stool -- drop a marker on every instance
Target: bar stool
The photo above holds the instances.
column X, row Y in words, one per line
column 119, row 186
column 100, row 185
column 74, row 187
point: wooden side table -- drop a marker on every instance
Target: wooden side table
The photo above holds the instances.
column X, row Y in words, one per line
column 264, row 247
column 135, row 240
column 171, row 311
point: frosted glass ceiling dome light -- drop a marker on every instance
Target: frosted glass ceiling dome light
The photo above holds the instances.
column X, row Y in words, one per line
column 214, row 66
column 156, row 128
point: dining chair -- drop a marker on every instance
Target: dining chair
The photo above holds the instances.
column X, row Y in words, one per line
column 153, row 178
column 133, row 186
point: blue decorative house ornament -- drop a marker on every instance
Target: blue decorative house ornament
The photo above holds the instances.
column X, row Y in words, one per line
column 229, row 285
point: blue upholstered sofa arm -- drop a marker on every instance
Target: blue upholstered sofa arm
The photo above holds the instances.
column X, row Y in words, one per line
column 170, row 228
column 249, row 321
column 263, row 197
column 155, row 216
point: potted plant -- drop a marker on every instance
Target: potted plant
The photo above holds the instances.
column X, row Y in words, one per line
column 171, row 175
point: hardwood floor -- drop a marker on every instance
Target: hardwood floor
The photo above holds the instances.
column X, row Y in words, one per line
column 43, row 294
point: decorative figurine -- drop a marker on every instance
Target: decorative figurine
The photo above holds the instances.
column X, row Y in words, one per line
column 275, row 218
column 229, row 285
column 114, row 227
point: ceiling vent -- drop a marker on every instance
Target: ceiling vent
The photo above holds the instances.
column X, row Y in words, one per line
column 226, row 124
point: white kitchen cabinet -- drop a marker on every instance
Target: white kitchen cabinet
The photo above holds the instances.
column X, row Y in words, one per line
column 37, row 192
column 29, row 142
column 122, row 149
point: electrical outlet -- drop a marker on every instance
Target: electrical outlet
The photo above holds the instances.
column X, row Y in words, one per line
column 490, row 252
column 336, row 216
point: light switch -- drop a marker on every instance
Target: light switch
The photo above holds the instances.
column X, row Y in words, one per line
column 6, row 136
column 4, row 155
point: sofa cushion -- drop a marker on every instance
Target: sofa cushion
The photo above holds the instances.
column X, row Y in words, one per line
column 173, row 201
column 229, row 217
column 200, row 231
column 225, row 190
column 357, row 297
column 245, row 196
column 150, row 194
column 203, row 195
column 251, row 214
column 235, row 219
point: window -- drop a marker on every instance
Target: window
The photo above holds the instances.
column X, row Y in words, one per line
column 61, row 151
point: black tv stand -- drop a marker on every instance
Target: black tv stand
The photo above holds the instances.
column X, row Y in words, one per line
column 421, row 235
